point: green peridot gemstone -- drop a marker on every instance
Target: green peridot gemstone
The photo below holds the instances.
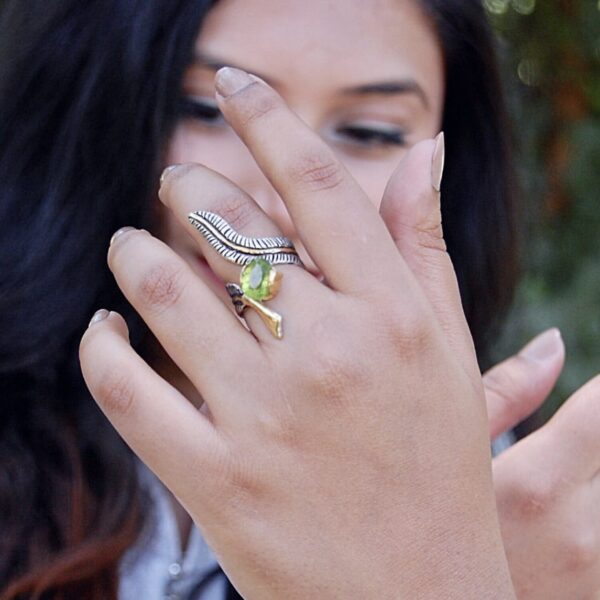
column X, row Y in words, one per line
column 256, row 279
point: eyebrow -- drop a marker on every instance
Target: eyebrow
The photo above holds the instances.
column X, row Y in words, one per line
column 388, row 88
column 383, row 88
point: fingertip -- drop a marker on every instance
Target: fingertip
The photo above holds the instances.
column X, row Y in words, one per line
column 119, row 323
column 561, row 343
column 169, row 176
column 98, row 316
column 413, row 171
column 168, row 169
column 103, row 318
column 231, row 80
column 547, row 348
column 437, row 162
column 411, row 201
column 421, row 152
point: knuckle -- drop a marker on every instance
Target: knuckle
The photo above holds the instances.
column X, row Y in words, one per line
column 254, row 103
column 243, row 487
column 431, row 237
column 327, row 381
column 336, row 375
column 237, row 211
column 406, row 331
column 279, row 429
column 581, row 550
column 161, row 286
column 116, row 393
column 316, row 170
column 534, row 497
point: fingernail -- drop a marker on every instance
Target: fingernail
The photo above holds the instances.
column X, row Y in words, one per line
column 437, row 162
column 228, row 81
column 119, row 232
column 99, row 315
column 166, row 171
column 544, row 347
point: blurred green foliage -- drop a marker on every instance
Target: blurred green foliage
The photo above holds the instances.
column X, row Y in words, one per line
column 552, row 71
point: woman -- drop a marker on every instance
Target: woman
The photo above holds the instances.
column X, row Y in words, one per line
column 93, row 152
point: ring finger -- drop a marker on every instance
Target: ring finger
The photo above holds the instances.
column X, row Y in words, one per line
column 179, row 192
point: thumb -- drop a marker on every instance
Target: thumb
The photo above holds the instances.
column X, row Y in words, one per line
column 412, row 213
column 517, row 386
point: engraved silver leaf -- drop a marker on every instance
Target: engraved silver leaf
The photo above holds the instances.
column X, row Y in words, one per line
column 238, row 248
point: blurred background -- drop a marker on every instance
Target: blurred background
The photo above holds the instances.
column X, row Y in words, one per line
column 551, row 57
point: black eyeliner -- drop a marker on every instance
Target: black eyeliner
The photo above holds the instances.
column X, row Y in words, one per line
column 199, row 109
column 366, row 135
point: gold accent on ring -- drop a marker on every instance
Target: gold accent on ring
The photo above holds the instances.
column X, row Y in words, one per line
column 259, row 281
column 270, row 318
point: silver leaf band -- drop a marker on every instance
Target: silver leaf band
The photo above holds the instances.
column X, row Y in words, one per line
column 240, row 249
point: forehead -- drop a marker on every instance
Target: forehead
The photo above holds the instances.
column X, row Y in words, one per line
column 326, row 42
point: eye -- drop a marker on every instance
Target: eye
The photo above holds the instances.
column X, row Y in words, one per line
column 369, row 136
column 201, row 109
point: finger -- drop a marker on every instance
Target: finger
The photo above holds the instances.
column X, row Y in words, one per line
column 335, row 220
column 411, row 210
column 200, row 334
column 576, row 431
column 179, row 191
column 516, row 387
column 159, row 424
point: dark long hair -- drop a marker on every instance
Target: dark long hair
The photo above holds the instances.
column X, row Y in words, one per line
column 479, row 194
column 88, row 99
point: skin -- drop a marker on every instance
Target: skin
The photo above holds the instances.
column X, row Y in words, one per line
column 394, row 42
column 370, row 487
column 406, row 48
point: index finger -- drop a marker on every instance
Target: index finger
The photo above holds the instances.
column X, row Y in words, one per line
column 339, row 226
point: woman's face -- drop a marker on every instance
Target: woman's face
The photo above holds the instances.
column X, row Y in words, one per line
column 366, row 76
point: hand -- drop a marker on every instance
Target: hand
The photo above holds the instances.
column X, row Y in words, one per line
column 547, row 510
column 550, row 527
column 549, row 518
column 548, row 494
column 351, row 458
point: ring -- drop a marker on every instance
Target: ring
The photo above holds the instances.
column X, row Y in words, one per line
column 238, row 248
column 259, row 280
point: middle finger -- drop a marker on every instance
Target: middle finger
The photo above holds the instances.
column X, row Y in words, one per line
column 337, row 223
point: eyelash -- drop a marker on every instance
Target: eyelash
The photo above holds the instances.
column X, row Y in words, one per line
column 195, row 109
column 360, row 135
column 366, row 136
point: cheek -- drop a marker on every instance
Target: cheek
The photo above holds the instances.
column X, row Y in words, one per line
column 220, row 150
column 179, row 145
